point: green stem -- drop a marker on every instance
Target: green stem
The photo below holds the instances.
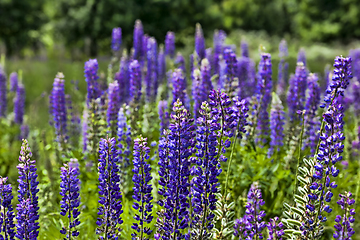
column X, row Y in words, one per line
column 299, row 154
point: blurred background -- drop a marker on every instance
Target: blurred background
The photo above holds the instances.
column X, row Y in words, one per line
column 44, row 37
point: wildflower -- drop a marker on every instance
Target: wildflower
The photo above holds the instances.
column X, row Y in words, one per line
column 138, row 37
column 70, row 192
column 122, row 77
column 199, row 42
column 7, row 225
column 19, row 104
column 116, row 39
column 27, row 217
column 301, row 57
column 170, row 44
column 91, row 77
column 179, row 86
column 230, row 70
column 124, row 142
column 151, row 74
column 283, row 67
column 343, row 226
column 3, row 92
column 110, row 209
column 135, row 81
column 218, row 42
column 277, row 118
column 13, row 81
column 142, row 189
column 113, row 106
column 276, row 229
column 297, row 89
column 161, row 64
column 163, row 115
column 246, row 76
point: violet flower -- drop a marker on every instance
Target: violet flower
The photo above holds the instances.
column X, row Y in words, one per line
column 122, row 77
column 297, row 89
column 19, row 104
column 230, row 71
column 151, row 74
column 138, row 38
column 161, row 64
column 91, row 78
column 7, row 226
column 277, row 122
column 170, row 44
column 276, row 229
column 163, row 115
column 218, row 44
column 179, row 86
column 113, row 106
column 199, row 42
column 3, row 92
column 116, row 39
column 13, row 81
column 135, row 81
column 343, row 226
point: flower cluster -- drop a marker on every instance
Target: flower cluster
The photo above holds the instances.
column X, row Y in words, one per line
column 6, row 211
column 343, row 229
column 163, row 115
column 113, row 106
column 179, row 86
column 161, row 64
column 230, row 70
column 142, row 189
column 277, row 122
column 170, row 44
column 91, row 78
column 70, row 202
column 205, row 69
column 19, row 104
column 13, row 81
column 218, row 42
column 246, row 76
column 138, row 37
column 3, row 92
column 199, row 42
column 176, row 192
column 251, row 225
column 122, row 77
column 135, row 81
column 197, row 91
column 116, row 39
column 27, row 217
column 297, row 89
column 110, row 209
column 276, row 229
column 151, row 74
column 301, row 57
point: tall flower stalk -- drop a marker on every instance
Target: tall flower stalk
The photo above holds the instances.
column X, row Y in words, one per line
column 142, row 190
column 70, row 202
column 343, row 226
column 7, row 226
column 110, row 210
column 27, row 217
column 3, row 92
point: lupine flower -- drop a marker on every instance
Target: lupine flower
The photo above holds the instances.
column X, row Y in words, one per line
column 283, row 67
column 244, row 49
column 230, row 70
column 113, row 106
column 138, row 38
column 27, row 217
column 163, row 115
column 7, row 231
column 264, row 88
column 251, row 225
column 3, row 92
column 170, row 44
column 205, row 69
column 142, row 189
column 122, row 77
column 124, row 141
column 197, row 91
column 199, row 42
column 135, row 81
column 180, row 63
column 301, row 57
column 297, row 89
column 116, row 39
column 19, row 104
column 144, row 49
column 205, row 182
column 176, row 192
column 91, row 77
column 70, row 201
column 179, row 86
column 209, row 56
column 151, row 74
column 331, row 147
column 277, row 122
column 13, row 81
column 218, row 42
column 241, row 111
column 311, row 107
column 24, row 131
column 276, row 229
column 355, row 63
column 110, row 209
column 161, row 64
column 343, row 228
column 246, row 76
column 58, row 109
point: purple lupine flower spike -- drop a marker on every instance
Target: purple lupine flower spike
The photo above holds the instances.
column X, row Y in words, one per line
column 138, row 38
column 116, row 39
column 142, row 190
column 197, row 91
column 343, row 226
column 282, row 68
column 151, row 74
column 161, row 64
column 163, row 115
column 24, row 131
column 244, row 49
column 355, row 63
column 27, row 217
column 59, row 110
column 297, row 89
column 276, row 229
column 205, row 69
column 246, row 76
column 13, row 81
column 3, row 92
column 19, row 104
column 251, row 225
column 144, row 49
column 301, row 57
column 135, row 81
column 205, row 182
column 311, row 107
column 277, row 122
column 218, row 42
column 113, row 106
column 91, row 78
column 7, row 226
column 170, row 44
column 264, row 89
column 110, row 210
column 124, row 141
column 199, row 42
column 176, row 188
column 122, row 77
column 70, row 192
column 180, row 63
column 179, row 86
column 230, row 71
